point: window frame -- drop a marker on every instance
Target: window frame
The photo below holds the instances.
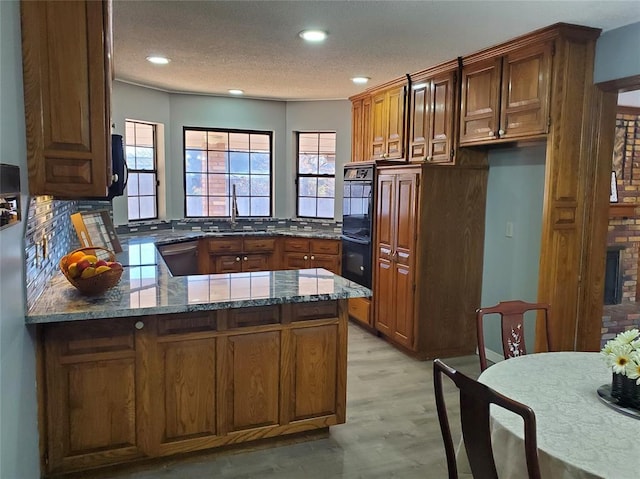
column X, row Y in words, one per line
column 313, row 175
column 270, row 134
column 154, row 171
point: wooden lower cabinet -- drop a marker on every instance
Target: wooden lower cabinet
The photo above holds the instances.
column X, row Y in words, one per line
column 122, row 390
column 302, row 253
column 94, row 394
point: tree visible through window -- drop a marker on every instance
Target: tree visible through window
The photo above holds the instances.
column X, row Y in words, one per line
column 142, row 191
column 215, row 160
column 316, row 174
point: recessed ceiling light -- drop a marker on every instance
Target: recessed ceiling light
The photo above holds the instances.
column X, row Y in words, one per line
column 314, row 36
column 235, row 91
column 158, row 60
column 360, row 80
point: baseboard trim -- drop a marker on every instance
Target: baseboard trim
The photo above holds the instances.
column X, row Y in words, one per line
column 493, row 356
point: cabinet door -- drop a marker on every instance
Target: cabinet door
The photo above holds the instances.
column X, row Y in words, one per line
column 419, row 119
column 226, row 263
column 314, row 371
column 406, row 202
column 385, row 231
column 66, row 74
column 186, row 398
column 357, row 135
column 92, row 399
column 378, row 146
column 395, row 120
column 526, row 79
column 250, row 374
column 480, row 101
column 256, row 262
column 327, row 261
column 295, row 261
column 441, row 118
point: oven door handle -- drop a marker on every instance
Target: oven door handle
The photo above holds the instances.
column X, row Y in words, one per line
column 355, row 240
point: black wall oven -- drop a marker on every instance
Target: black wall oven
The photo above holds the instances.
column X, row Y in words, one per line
column 357, row 223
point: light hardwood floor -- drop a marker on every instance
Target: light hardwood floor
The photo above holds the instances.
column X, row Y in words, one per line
column 392, row 428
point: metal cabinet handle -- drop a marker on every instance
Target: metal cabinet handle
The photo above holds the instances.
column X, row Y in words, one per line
column 139, row 325
column 429, row 158
column 114, row 177
column 491, row 133
column 245, row 258
column 501, row 132
column 237, row 258
column 313, row 257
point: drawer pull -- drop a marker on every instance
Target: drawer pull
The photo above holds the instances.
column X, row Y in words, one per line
column 237, row 258
column 139, row 325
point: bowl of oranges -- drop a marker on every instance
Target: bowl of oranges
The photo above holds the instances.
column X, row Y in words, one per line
column 92, row 270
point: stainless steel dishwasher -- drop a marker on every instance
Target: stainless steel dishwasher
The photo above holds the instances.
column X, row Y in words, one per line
column 181, row 258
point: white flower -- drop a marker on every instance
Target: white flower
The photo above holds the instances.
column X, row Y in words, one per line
column 627, row 337
column 633, row 367
column 621, row 355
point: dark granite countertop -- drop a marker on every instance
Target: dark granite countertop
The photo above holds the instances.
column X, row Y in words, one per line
column 147, row 287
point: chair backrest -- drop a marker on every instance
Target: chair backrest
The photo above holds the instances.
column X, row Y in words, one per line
column 512, row 325
column 475, row 399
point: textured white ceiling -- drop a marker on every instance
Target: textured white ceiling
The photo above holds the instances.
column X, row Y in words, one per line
column 254, row 45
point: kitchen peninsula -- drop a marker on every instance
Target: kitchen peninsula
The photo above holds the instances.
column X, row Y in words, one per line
column 162, row 365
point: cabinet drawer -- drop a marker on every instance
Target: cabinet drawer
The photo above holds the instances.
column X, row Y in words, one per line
column 186, row 323
column 252, row 245
column 225, row 245
column 258, row 316
column 300, row 245
column 325, row 246
column 320, row 310
column 360, row 309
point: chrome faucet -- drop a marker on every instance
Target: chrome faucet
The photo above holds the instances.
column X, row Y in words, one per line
column 234, row 204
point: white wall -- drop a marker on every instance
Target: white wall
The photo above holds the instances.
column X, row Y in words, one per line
column 18, row 411
column 514, row 194
column 176, row 111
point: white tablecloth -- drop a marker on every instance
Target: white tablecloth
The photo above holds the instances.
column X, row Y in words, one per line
column 578, row 435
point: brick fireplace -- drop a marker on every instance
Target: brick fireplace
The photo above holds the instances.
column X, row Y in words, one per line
column 624, row 224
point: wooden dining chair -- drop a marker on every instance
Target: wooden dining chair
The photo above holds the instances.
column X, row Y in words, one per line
column 475, row 399
column 512, row 315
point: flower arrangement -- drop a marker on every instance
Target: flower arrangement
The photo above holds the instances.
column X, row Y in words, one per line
column 622, row 354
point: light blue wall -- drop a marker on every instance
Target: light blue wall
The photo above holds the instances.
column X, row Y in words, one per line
column 282, row 118
column 321, row 116
column 18, row 410
column 618, row 53
column 514, row 194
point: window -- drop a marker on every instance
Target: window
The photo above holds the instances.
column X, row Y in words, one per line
column 316, row 174
column 217, row 162
column 142, row 183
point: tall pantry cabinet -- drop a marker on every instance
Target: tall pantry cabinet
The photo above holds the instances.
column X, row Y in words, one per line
column 428, row 256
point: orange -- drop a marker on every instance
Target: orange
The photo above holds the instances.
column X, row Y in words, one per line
column 75, row 257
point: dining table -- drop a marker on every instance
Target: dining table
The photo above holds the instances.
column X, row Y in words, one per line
column 579, row 435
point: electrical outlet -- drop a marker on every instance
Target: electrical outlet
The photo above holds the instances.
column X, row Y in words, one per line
column 509, row 230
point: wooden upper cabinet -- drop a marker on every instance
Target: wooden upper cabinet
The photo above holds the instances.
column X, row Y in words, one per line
column 431, row 118
column 526, row 80
column 360, row 125
column 506, row 97
column 387, row 123
column 67, row 83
